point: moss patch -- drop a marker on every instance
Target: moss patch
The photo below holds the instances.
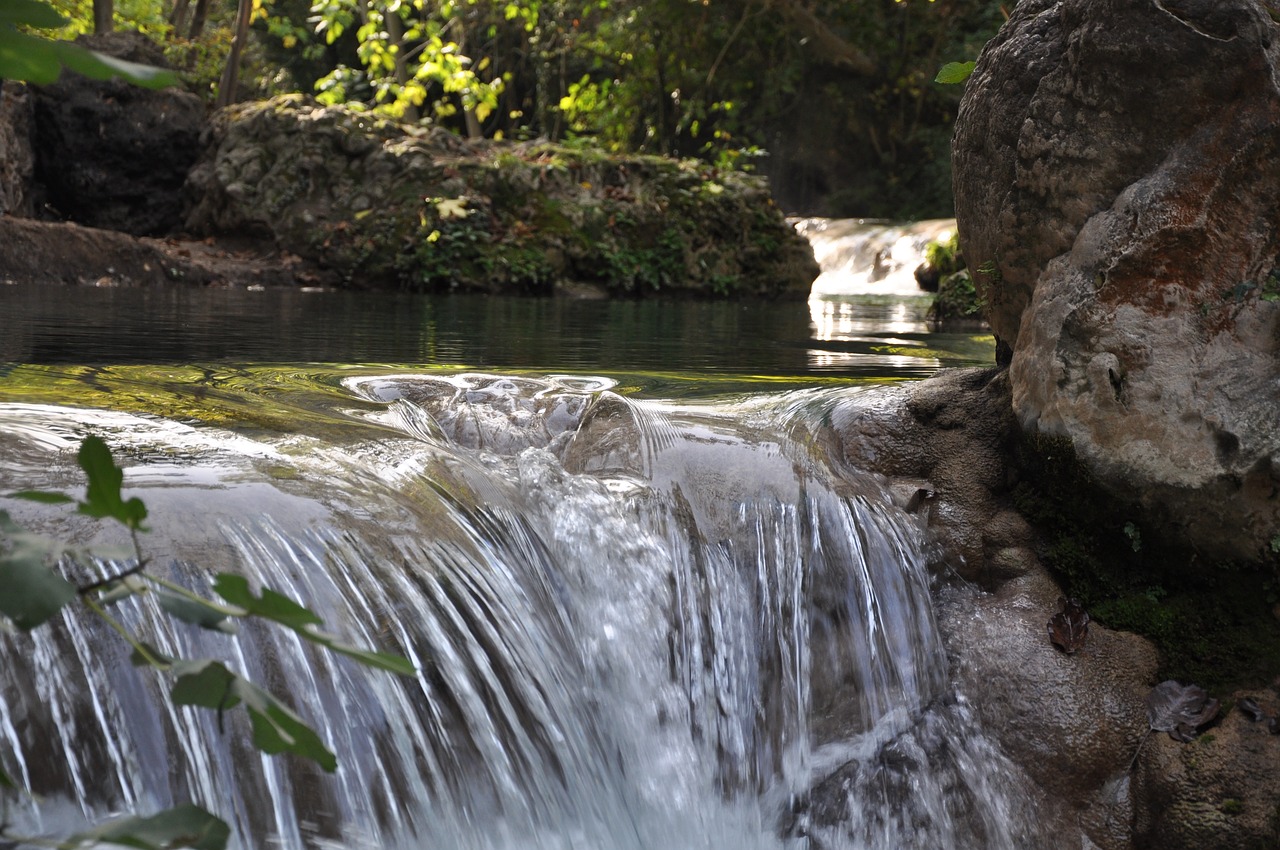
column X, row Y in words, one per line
column 1212, row 622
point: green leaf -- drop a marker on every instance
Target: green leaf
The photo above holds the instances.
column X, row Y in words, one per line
column 31, row 13
column 43, row 497
column 140, row 660
column 182, row 826
column 191, row 609
column 283, row 610
column 102, row 497
column 39, row 60
column 99, row 66
column 276, row 729
column 28, row 58
column 954, row 72
column 6, row 781
column 30, row 592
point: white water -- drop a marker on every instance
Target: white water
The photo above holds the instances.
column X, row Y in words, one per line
column 869, row 257
column 639, row 625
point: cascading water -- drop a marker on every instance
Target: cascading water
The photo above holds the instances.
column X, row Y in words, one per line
column 638, row 625
column 869, row 257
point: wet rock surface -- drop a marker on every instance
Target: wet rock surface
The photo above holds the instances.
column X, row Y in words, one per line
column 1122, row 222
column 1072, row 722
column 1205, row 793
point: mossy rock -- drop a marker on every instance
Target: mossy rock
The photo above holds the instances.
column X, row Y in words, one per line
column 957, row 300
column 422, row 209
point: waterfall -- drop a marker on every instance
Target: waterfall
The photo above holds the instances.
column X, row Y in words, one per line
column 869, row 257
column 638, row 624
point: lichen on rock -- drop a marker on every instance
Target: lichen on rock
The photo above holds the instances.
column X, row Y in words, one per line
column 1116, row 167
column 422, row 209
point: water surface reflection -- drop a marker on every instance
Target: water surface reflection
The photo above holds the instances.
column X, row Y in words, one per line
column 879, row 337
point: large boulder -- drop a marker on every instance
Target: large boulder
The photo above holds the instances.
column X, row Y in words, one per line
column 420, row 208
column 1117, row 173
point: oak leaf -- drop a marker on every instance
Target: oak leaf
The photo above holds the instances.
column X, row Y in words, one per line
column 1070, row 626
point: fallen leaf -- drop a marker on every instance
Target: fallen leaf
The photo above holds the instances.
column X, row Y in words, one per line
column 1070, row 626
column 1179, row 709
column 1252, row 710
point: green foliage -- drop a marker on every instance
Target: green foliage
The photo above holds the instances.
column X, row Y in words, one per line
column 39, row 60
column 954, row 72
column 671, row 77
column 102, row 497
column 32, row 591
column 276, row 729
column 956, row 299
column 181, row 826
column 943, row 255
column 407, row 59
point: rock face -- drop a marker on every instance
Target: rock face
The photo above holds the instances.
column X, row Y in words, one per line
column 1205, row 794
column 1117, row 172
column 17, row 159
column 112, row 155
column 423, row 209
column 1071, row 723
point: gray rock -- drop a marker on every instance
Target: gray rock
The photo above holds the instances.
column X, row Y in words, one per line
column 1118, row 191
column 1072, row 722
column 947, row 436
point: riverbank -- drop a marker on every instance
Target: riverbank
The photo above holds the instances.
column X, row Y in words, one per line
column 336, row 197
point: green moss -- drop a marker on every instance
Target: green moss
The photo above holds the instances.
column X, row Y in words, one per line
column 1231, row 806
column 1211, row 622
column 943, row 255
column 956, row 299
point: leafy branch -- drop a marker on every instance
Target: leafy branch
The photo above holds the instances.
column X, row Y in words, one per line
column 32, row 592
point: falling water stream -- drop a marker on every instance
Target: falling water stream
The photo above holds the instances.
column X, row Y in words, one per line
column 642, row 618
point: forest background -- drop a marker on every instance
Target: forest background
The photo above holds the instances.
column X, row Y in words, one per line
column 835, row 102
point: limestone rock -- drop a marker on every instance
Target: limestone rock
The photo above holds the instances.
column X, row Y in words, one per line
column 1072, row 722
column 420, row 208
column 1117, row 172
column 1220, row 790
column 948, row 436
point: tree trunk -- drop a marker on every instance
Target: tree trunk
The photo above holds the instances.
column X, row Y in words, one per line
column 197, row 22
column 395, row 34
column 103, row 11
column 178, row 18
column 231, row 74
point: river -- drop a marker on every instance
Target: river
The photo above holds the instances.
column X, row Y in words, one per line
column 647, row 607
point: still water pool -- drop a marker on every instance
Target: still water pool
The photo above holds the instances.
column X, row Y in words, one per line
column 865, row 337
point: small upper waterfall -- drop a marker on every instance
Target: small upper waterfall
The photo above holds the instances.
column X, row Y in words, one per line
column 869, row 257
column 638, row 624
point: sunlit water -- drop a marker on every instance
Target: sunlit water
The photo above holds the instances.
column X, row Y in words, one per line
column 648, row 608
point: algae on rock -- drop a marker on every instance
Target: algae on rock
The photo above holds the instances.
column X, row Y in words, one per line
column 422, row 209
